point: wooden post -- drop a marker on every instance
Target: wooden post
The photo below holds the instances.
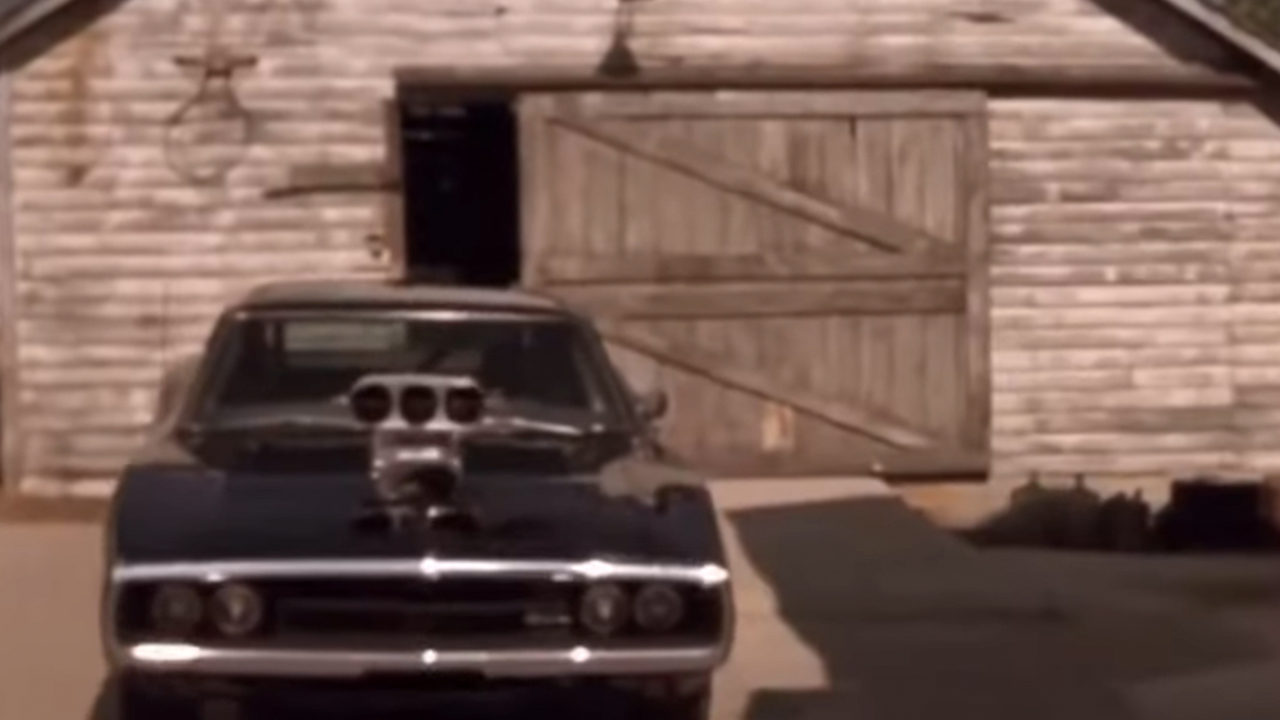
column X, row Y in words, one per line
column 10, row 417
column 393, row 221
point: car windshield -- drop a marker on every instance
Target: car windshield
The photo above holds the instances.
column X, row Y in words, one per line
column 302, row 366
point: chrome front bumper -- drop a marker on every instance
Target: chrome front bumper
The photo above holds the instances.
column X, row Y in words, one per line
column 339, row 664
column 514, row 663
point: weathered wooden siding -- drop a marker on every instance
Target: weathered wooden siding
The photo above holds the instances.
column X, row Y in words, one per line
column 121, row 264
column 848, row 344
column 360, row 37
column 1136, row 254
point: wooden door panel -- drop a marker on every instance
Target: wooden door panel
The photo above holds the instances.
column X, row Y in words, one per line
column 608, row 203
column 661, row 147
column 753, row 362
column 809, row 175
column 727, row 430
column 925, row 177
column 716, row 429
column 717, row 418
column 735, row 433
column 801, row 286
column 688, row 267
column 976, row 211
column 897, row 367
column 694, row 300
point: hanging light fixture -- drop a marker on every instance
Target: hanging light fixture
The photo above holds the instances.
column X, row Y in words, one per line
column 619, row 61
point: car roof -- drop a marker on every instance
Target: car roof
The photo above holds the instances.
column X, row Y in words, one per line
column 386, row 294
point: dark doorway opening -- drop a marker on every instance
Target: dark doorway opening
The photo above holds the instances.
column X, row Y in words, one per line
column 461, row 189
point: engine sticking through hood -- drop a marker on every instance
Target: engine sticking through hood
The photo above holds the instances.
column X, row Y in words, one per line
column 417, row 425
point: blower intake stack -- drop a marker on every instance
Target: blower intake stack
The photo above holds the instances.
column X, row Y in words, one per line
column 417, row 424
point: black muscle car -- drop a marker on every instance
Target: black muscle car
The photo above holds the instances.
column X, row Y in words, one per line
column 368, row 485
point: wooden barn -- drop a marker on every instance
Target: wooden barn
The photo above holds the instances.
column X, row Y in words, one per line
column 941, row 239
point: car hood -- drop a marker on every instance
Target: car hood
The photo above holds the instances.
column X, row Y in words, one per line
column 183, row 512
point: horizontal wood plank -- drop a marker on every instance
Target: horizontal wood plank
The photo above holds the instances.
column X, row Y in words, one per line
column 723, row 371
column 1046, row 276
column 1122, row 420
column 871, row 226
column 705, row 301
column 1257, row 396
column 781, row 104
column 652, row 267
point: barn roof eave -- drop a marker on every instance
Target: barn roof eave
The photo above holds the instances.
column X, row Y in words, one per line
column 1211, row 15
column 19, row 16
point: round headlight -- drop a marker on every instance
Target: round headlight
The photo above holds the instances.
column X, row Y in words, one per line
column 236, row 610
column 417, row 404
column 604, row 609
column 658, row 607
column 176, row 609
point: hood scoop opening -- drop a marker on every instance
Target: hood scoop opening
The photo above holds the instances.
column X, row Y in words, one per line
column 417, row 425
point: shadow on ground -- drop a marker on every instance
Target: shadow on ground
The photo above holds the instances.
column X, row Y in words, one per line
column 489, row 705
column 914, row 624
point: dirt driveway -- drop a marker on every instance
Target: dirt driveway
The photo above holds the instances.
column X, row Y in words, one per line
column 851, row 606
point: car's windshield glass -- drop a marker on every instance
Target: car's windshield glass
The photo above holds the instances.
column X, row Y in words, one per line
column 305, row 364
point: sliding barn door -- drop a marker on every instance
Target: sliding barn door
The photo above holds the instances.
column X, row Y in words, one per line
column 803, row 273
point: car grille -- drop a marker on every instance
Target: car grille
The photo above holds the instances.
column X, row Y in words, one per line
column 392, row 613
column 418, row 610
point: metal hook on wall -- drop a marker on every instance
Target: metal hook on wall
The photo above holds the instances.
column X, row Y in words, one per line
column 209, row 134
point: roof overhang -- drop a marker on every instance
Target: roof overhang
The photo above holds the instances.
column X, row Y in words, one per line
column 19, row 16
column 996, row 80
column 1207, row 14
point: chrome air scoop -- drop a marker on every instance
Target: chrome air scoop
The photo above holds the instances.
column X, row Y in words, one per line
column 417, row 424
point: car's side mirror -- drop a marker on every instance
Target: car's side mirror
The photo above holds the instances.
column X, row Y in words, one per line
column 651, row 405
column 173, row 384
